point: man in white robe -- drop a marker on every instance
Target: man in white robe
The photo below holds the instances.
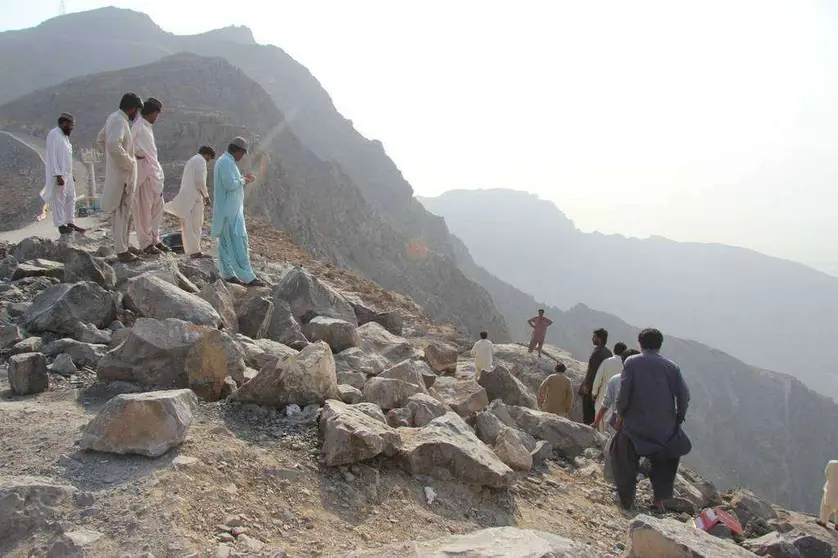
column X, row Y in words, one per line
column 189, row 203
column 60, row 187
column 483, row 351
column 116, row 142
column 829, row 502
column 148, row 208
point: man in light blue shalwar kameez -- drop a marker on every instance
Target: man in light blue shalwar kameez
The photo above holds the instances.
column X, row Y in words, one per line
column 228, row 217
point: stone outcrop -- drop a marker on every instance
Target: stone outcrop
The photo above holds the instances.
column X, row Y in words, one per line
column 389, row 393
column 510, row 450
column 221, row 299
column 283, row 327
column 425, row 408
column 152, row 297
column 653, row 538
column 60, row 308
column 338, row 334
column 499, row 383
column 308, row 297
column 465, row 397
column 441, row 357
column 351, row 435
column 567, row 437
column 377, row 340
column 80, row 265
column 147, row 424
column 28, row 373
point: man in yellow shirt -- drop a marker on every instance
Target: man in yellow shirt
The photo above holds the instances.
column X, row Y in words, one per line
column 555, row 395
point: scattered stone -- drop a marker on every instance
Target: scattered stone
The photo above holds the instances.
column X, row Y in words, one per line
column 748, row 505
column 284, row 328
column 488, row 427
column 391, row 321
column 350, row 434
column 9, row 336
column 7, row 267
column 83, row 354
column 651, row 537
column 510, row 450
column 410, row 371
column 308, row 297
column 89, row 333
column 425, row 408
column 442, row 358
column 680, row 505
column 184, row 462
column 38, row 268
column 255, row 311
column 150, row 296
column 74, row 544
column 338, row 334
column 501, row 384
column 305, row 378
column 465, row 397
column 355, row 379
column 389, row 393
column 447, row 449
column 28, row 373
column 774, row 545
column 64, row 365
column 567, row 437
column 220, row 298
column 356, row 360
column 710, row 494
column 371, row 410
column 248, row 544
column 377, row 340
column 399, row 418
column 28, row 345
column 349, row 394
column 82, row 266
column 60, row 308
column 225, row 537
column 542, row 452
column 36, row 247
column 119, row 387
column 147, row 424
column 29, row 503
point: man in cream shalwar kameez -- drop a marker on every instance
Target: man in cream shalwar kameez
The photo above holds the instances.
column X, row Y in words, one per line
column 829, row 503
column 60, row 187
column 148, row 208
column 189, row 203
column 120, row 172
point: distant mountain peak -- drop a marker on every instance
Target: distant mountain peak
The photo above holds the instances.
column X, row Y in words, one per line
column 239, row 34
column 125, row 21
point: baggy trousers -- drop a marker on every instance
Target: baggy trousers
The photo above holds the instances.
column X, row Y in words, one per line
column 234, row 255
column 625, row 463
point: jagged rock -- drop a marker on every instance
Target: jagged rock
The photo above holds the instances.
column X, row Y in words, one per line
column 9, row 292
column 304, row 379
column 401, row 417
column 442, row 358
column 147, row 424
column 748, row 505
column 349, row 394
column 64, row 365
column 774, row 545
column 83, row 354
column 338, row 334
column 28, row 345
column 509, row 542
column 465, row 397
column 74, row 544
column 185, row 284
column 355, row 379
column 501, row 384
column 309, row 297
column 260, row 352
column 61, row 307
column 17, row 309
column 356, row 360
column 425, row 408
column 28, row 373
column 710, row 494
column 567, row 437
column 447, row 449
column 389, row 393
column 807, row 545
column 7, row 267
column 284, row 327
column 220, row 298
column 488, row 427
column 542, row 452
column 653, row 538
column 9, row 336
column 152, row 297
column 36, row 247
column 377, row 340
column 410, row 371
column 89, row 333
column 163, row 267
column 118, row 337
column 236, row 365
column 170, row 354
column 255, row 311
column 391, row 321
column 510, row 450
column 80, row 265
column 350, row 435
column 202, row 270
column 29, row 503
column 38, row 268
column 371, row 410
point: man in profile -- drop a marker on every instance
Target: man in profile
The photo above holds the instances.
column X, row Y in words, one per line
column 483, row 352
column 539, row 325
column 188, row 204
column 148, row 212
column 60, row 189
column 598, row 356
column 555, row 394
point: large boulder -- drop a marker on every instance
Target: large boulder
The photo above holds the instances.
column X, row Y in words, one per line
column 494, row 542
column 28, row 345
column 371, row 410
column 510, row 450
column 7, row 267
column 38, row 268
column 150, row 296
column 377, row 340
column 163, row 267
column 400, row 418
column 304, row 379
column 83, row 354
column 309, row 297
column 351, row 435
column 221, row 299
column 355, row 379
column 36, row 247
column 338, row 334
column 147, row 424
column 488, row 427
column 465, row 397
column 391, row 321
column 410, row 371
column 389, row 393
column 170, row 354
column 655, row 538
column 501, row 384
column 28, row 504
column 710, row 494
column 356, row 360
column 260, row 352
column 447, row 449
column 10, row 335
column 89, row 333
column 28, row 373
column 350, row 395
column 235, row 355
column 80, row 265
column 441, row 357
column 284, row 328
column 748, row 505
column 60, row 308
column 255, row 311
column 425, row 408
column 569, row 438
column 795, row 544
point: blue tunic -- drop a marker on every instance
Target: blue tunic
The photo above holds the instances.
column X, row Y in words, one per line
column 228, row 220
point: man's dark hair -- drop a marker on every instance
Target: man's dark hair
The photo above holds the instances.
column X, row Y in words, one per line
column 541, row 310
column 484, row 335
column 560, row 367
column 650, row 339
column 207, row 150
column 628, row 353
column 151, row 106
column 63, row 119
column 620, row 348
column 130, row 101
column 602, row 334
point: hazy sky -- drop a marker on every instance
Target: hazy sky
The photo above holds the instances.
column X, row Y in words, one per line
column 703, row 121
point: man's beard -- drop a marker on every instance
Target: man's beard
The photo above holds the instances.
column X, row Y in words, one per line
column 66, row 131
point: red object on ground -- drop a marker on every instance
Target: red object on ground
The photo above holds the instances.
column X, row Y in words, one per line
column 713, row 516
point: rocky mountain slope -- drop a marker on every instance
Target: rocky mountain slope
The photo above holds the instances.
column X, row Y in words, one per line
column 766, row 311
column 108, row 451
column 368, row 176
column 23, row 177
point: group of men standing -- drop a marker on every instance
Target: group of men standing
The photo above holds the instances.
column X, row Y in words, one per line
column 134, row 184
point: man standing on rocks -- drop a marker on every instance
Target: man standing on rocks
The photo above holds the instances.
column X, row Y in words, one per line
column 609, row 405
column 600, row 354
column 148, row 212
column 608, row 369
column 60, row 189
column 555, row 394
column 539, row 325
column 829, row 503
column 652, row 404
column 116, row 142
column 189, row 203
column 228, row 217
column 483, row 352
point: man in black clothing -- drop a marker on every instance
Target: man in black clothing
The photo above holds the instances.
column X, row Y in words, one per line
column 601, row 352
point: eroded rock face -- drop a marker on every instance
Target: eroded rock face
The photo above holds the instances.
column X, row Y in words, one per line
column 29, row 503
column 338, row 334
column 651, row 537
column 28, row 373
column 60, row 308
column 147, row 424
column 499, row 383
column 309, row 297
column 304, row 379
column 152, row 297
column 351, row 435
column 447, row 449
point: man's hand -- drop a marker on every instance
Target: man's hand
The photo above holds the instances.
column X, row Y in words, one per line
column 595, row 424
column 619, row 424
column 249, row 177
column 59, row 180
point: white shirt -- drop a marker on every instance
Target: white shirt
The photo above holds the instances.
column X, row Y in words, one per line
column 193, row 187
column 482, row 352
column 144, row 146
column 609, row 368
column 59, row 161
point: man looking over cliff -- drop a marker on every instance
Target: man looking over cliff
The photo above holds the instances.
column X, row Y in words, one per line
column 600, row 354
column 148, row 211
column 482, row 352
column 60, row 188
column 189, row 202
column 539, row 325
column 228, row 217
column 555, row 394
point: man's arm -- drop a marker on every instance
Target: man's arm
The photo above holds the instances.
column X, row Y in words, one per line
column 594, row 363
column 626, row 387
column 202, row 180
column 597, row 384
column 531, row 323
column 599, row 416
column 115, row 136
column 231, row 177
column 139, row 136
column 682, row 396
column 542, row 391
column 52, row 163
column 549, row 322
column 100, row 140
column 568, row 398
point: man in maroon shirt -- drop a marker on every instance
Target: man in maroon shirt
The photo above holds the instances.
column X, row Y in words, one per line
column 539, row 325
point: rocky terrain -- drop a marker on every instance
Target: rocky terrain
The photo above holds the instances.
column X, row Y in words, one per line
column 23, row 177
column 130, row 432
